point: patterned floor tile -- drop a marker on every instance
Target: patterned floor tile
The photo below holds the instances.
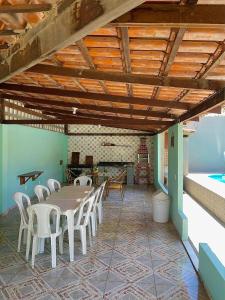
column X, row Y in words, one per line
column 60, row 277
column 131, row 270
column 29, row 289
column 131, row 258
column 177, row 274
column 16, row 273
column 130, row 292
column 80, row 291
column 181, row 293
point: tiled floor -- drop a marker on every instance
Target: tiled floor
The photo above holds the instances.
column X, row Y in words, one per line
column 131, row 258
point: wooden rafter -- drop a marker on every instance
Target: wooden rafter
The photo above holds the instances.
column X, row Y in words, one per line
column 24, row 8
column 184, row 83
column 126, row 57
column 172, row 15
column 49, row 36
column 105, row 109
column 91, row 96
column 173, row 53
column 84, row 51
column 215, row 62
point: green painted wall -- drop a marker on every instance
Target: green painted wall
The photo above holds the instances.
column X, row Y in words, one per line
column 25, row 149
column 175, row 179
column 212, row 272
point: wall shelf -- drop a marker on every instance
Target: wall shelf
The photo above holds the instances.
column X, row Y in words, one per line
column 31, row 175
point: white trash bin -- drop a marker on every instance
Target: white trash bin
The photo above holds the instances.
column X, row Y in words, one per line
column 161, row 206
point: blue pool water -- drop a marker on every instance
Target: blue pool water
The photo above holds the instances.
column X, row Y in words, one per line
column 218, row 177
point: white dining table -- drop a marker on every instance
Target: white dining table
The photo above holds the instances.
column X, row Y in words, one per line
column 69, row 198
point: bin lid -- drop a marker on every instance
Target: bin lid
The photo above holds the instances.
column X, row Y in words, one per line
column 159, row 195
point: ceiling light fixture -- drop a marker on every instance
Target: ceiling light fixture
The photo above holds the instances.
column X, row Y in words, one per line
column 75, row 110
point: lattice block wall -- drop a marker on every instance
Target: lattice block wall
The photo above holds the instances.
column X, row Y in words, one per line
column 91, row 145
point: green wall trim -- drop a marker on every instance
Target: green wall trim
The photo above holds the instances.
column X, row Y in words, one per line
column 157, row 163
column 25, row 149
column 175, row 179
column 212, row 272
column 158, row 152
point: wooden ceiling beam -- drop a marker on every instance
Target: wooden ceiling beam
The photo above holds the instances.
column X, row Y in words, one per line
column 210, row 103
column 173, row 15
column 184, row 83
column 24, row 8
column 70, row 22
column 8, row 32
column 121, row 120
column 77, row 121
column 40, row 103
column 94, row 96
column 206, row 106
column 69, row 114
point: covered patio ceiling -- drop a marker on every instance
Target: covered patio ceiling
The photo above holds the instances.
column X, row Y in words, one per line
column 142, row 65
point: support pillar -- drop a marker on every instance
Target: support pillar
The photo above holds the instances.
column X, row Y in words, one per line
column 175, row 179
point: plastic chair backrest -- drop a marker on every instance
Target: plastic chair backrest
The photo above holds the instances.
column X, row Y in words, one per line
column 86, row 207
column 20, row 198
column 53, row 185
column 102, row 187
column 97, row 194
column 40, row 215
column 40, row 190
column 83, row 180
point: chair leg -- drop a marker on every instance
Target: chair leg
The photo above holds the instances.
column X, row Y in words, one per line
column 100, row 214
column 34, row 249
column 28, row 244
column 89, row 232
column 24, row 236
column 83, row 239
column 53, row 251
column 19, row 238
column 93, row 224
column 61, row 244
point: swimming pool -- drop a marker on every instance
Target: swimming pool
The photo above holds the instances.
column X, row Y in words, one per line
column 218, row 177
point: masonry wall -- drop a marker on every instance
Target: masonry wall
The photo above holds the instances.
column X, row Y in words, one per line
column 25, row 149
column 92, row 145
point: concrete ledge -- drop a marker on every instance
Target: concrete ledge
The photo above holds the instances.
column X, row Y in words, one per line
column 212, row 272
column 208, row 193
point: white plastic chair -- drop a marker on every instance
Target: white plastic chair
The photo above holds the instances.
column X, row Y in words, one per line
column 40, row 228
column 99, row 211
column 53, row 185
column 83, row 180
column 40, row 191
column 20, row 198
column 82, row 221
column 93, row 212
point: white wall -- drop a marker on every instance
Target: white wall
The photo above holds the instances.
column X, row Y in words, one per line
column 91, row 145
column 206, row 146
